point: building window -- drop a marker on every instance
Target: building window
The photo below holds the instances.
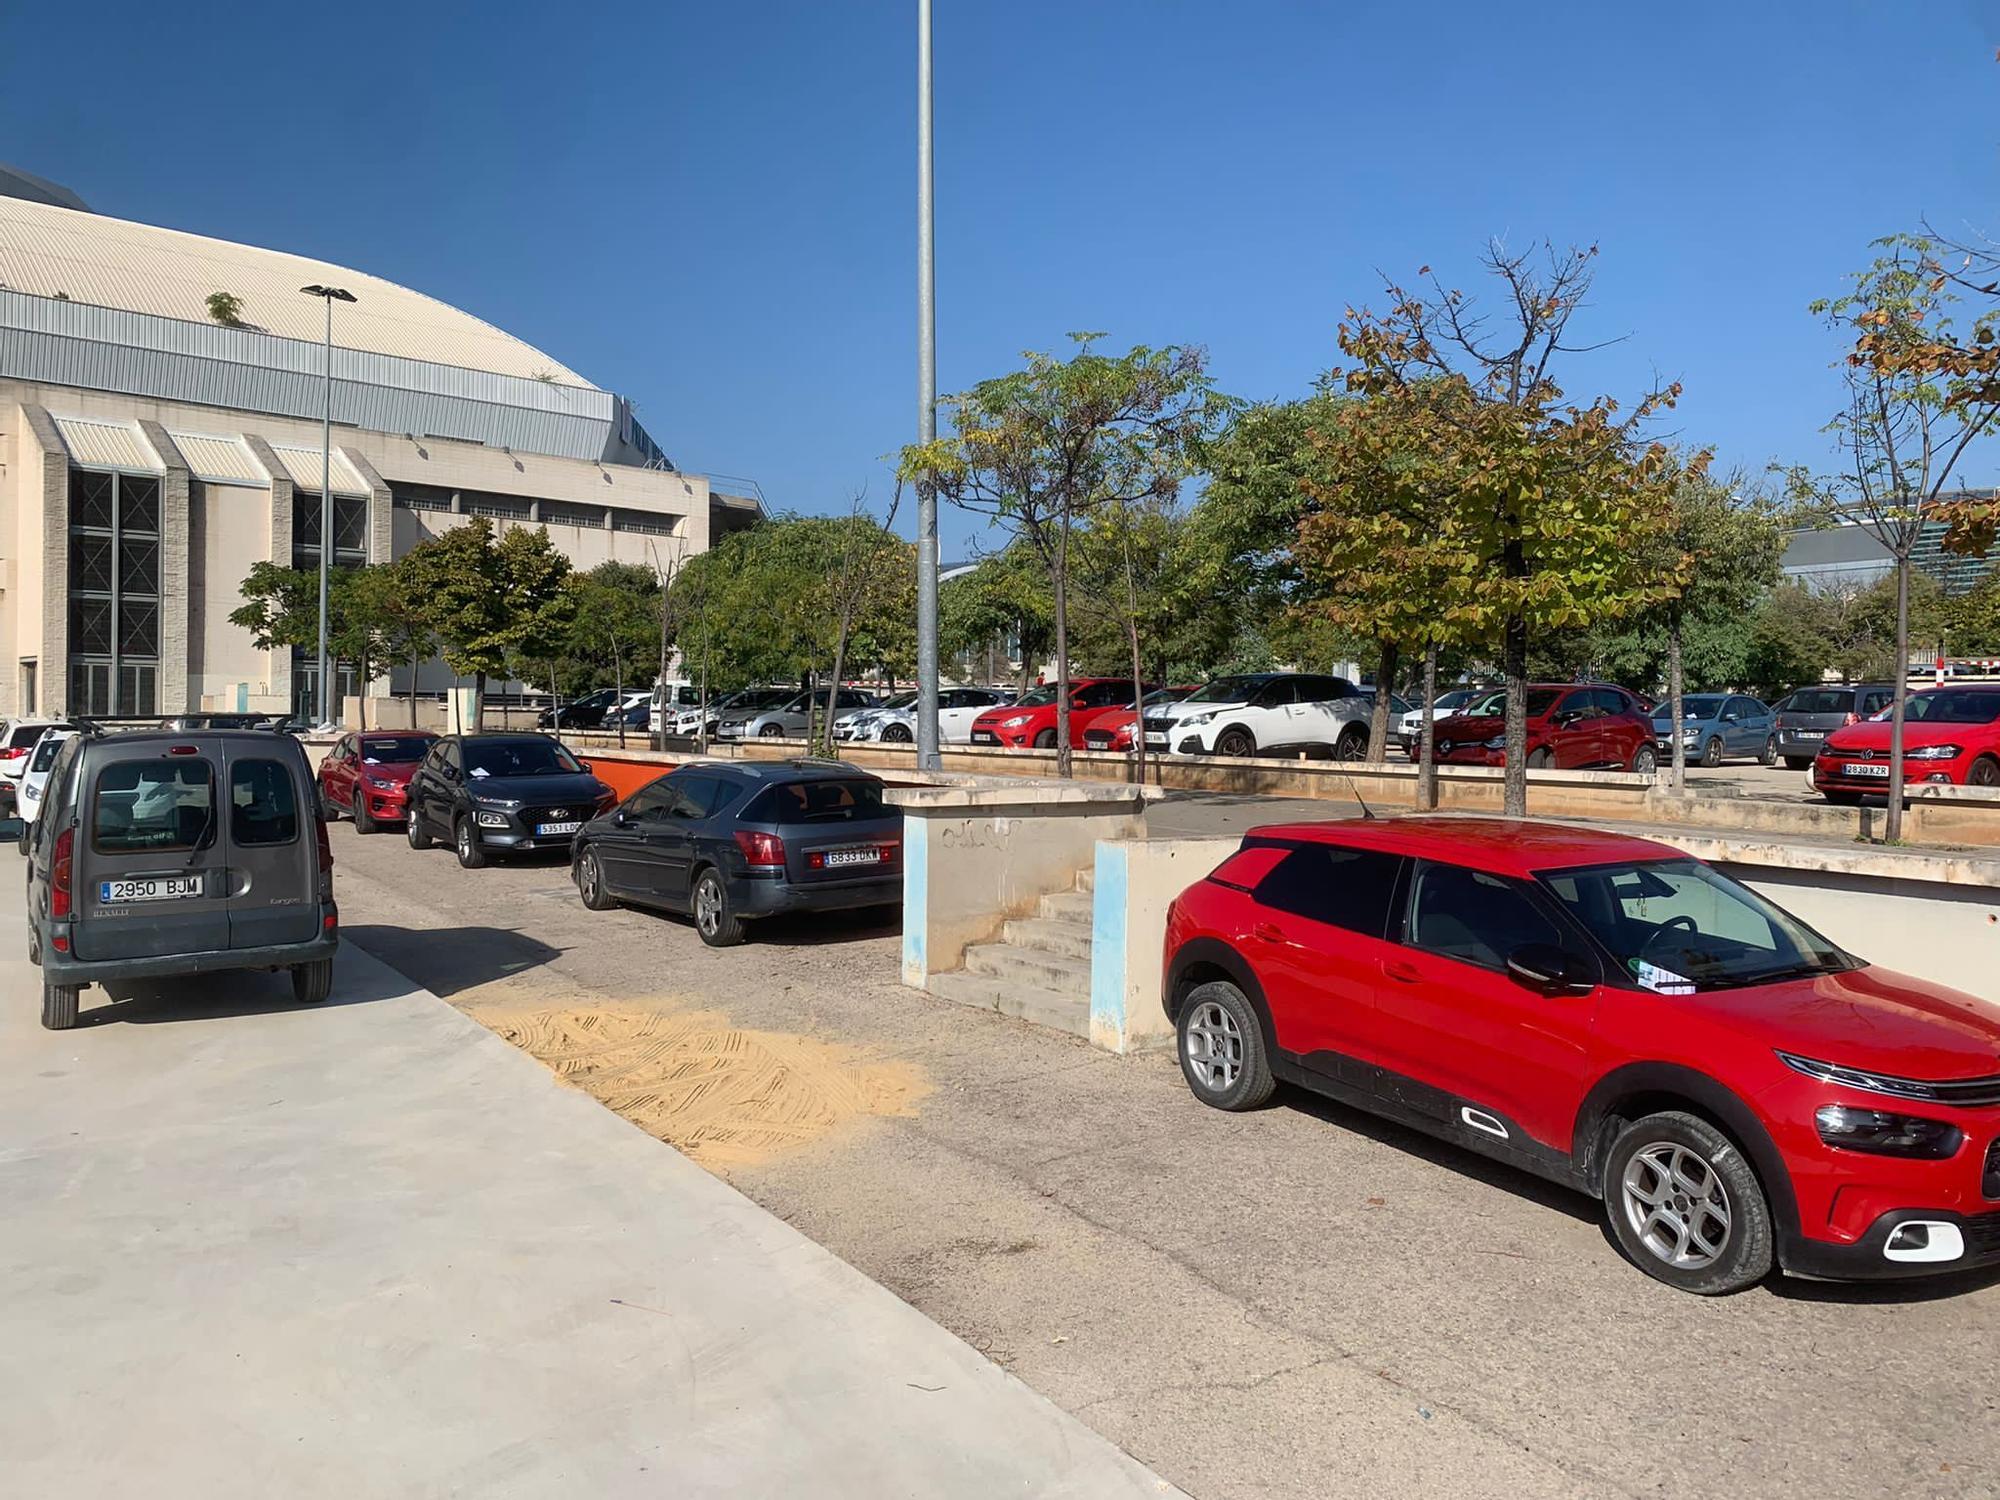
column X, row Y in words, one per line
column 114, row 593
column 29, row 673
column 420, row 497
column 498, row 507
column 350, row 530
column 589, row 516
column 645, row 523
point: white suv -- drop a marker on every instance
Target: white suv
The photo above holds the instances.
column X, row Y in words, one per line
column 1260, row 711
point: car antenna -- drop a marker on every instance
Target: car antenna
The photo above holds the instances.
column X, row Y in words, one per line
column 1367, row 812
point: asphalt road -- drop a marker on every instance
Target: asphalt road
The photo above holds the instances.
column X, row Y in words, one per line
column 1296, row 1302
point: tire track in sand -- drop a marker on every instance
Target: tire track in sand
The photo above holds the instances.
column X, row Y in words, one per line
column 721, row 1094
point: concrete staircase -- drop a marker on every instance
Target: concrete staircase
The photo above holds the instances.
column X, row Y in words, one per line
column 1039, row 971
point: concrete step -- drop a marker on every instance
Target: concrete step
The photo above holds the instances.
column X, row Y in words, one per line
column 1025, row 1002
column 1049, row 971
column 1086, row 878
column 1044, row 935
column 1067, row 906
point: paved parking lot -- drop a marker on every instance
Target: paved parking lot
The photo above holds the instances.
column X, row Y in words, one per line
column 1296, row 1302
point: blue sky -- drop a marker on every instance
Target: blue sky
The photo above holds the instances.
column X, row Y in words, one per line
column 710, row 207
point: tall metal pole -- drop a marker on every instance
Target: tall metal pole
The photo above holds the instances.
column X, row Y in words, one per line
column 326, row 518
column 927, row 532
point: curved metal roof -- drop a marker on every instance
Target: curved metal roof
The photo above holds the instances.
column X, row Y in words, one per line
column 50, row 251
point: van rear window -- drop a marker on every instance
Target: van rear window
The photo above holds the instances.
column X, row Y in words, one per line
column 262, row 809
column 152, row 806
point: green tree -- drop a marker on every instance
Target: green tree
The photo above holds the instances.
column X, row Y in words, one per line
column 492, row 601
column 1044, row 447
column 1555, row 498
column 614, row 624
column 1006, row 594
column 280, row 607
column 385, row 602
column 1911, row 409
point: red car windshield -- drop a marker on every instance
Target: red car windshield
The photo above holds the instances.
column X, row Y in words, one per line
column 1036, row 697
column 1677, row 926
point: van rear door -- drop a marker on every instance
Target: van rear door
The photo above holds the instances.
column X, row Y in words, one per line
column 273, row 847
column 150, row 877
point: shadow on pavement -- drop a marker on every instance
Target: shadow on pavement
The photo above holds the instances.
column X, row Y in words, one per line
column 802, row 929
column 448, row 960
column 211, row 997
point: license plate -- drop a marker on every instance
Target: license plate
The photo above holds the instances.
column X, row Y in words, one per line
column 549, row 830
column 985, row 737
column 837, row 858
column 1156, row 739
column 1806, row 734
column 149, row 888
column 1865, row 770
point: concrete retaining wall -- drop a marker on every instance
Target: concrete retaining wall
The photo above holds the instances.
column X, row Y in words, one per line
column 1135, row 883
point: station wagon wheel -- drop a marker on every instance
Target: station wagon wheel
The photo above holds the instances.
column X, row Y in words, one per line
column 714, row 918
column 1221, row 1048
column 1685, row 1206
column 471, row 853
column 590, row 882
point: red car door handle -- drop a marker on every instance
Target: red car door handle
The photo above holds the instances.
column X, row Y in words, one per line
column 1264, row 932
column 1402, row 973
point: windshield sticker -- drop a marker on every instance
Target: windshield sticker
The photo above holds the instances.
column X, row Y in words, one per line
column 1660, row 981
column 481, row 771
column 369, row 760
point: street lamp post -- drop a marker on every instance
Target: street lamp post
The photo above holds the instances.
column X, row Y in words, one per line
column 328, row 295
column 927, row 529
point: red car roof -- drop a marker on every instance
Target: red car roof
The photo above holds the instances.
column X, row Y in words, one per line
column 1504, row 846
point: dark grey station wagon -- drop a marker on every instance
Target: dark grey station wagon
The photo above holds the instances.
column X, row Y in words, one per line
column 173, row 852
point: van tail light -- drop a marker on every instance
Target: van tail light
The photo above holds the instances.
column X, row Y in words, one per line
column 761, row 850
column 325, row 845
column 61, row 867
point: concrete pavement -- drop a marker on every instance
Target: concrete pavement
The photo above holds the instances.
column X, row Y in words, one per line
column 369, row 1249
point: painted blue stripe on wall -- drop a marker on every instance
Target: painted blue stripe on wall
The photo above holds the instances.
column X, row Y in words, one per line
column 1107, row 943
column 916, row 885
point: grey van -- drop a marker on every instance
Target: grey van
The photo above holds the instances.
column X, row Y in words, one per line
column 166, row 852
column 1812, row 713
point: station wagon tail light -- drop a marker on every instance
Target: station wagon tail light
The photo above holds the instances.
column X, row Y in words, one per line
column 761, row 850
column 61, row 865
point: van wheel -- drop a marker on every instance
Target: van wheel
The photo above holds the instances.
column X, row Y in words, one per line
column 414, row 830
column 364, row 821
column 714, row 919
column 313, row 982
column 59, row 1005
column 1685, row 1207
column 471, row 853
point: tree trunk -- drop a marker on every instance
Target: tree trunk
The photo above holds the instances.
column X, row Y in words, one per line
column 1378, row 721
column 1677, row 746
column 415, row 662
column 1892, row 829
column 618, row 689
column 1059, row 583
column 361, row 698
column 832, row 692
column 1021, row 675
column 1427, row 771
column 1514, row 664
column 1138, row 677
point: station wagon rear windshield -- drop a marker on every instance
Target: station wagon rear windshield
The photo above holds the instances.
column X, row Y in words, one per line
column 1822, row 701
column 152, row 806
column 821, row 802
column 1946, row 706
column 393, row 750
column 1677, row 927
column 485, row 758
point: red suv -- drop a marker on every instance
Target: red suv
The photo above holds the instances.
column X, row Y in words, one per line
column 1950, row 735
column 1571, row 727
column 1030, row 720
column 1611, row 1014
column 367, row 775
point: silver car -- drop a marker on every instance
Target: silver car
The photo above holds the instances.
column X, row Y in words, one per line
column 792, row 717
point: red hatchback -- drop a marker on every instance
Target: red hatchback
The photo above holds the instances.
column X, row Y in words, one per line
column 1951, row 735
column 366, row 775
column 1571, row 727
column 1611, row 1014
column 1031, row 719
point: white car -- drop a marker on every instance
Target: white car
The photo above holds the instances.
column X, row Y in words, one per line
column 35, row 780
column 1257, row 712
column 1411, row 729
column 862, row 723
column 896, row 723
column 791, row 718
